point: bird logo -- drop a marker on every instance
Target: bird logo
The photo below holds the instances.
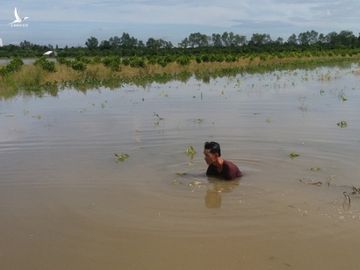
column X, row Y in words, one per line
column 18, row 19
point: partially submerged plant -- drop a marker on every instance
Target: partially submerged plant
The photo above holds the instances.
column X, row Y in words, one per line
column 157, row 116
column 198, row 120
column 157, row 119
column 343, row 97
column 121, row 157
column 293, row 155
column 190, row 151
column 342, row 124
column 355, row 190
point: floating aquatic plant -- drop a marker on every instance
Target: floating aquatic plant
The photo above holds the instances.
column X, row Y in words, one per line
column 121, row 157
column 342, row 124
column 293, row 155
column 343, row 98
column 190, row 151
column 315, row 169
column 355, row 190
column 37, row 116
column 198, row 120
column 157, row 116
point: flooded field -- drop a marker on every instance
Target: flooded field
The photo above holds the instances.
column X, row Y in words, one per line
column 67, row 202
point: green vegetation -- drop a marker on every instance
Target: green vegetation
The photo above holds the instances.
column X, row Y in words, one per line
column 342, row 124
column 14, row 65
column 293, row 155
column 121, row 60
column 190, row 151
column 121, row 157
column 45, row 64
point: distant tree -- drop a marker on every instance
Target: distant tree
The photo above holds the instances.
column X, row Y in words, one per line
column 347, row 38
column 260, row 39
column 292, row 40
column 238, row 40
column 25, row 44
column 184, row 43
column 105, row 45
column 231, row 39
column 156, row 44
column 322, row 39
column 308, row 37
column 115, row 42
column 127, row 41
column 225, row 39
column 279, row 41
column 216, row 40
column 92, row 43
column 198, row 40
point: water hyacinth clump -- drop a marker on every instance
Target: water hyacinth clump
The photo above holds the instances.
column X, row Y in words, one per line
column 342, row 124
column 294, row 155
column 121, row 157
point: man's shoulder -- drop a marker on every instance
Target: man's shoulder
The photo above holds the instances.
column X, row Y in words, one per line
column 231, row 169
column 229, row 164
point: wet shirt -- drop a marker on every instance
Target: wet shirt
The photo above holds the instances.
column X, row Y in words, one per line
column 229, row 171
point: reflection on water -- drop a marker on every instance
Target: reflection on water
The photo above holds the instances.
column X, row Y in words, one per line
column 215, row 190
column 66, row 202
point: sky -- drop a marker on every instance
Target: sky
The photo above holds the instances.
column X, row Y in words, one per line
column 71, row 22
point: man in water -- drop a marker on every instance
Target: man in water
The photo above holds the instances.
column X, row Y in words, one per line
column 219, row 167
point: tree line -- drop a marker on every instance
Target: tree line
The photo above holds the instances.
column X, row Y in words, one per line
column 195, row 43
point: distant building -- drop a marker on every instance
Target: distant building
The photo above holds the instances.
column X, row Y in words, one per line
column 1, row 42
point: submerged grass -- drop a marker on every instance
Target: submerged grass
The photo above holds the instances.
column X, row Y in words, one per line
column 35, row 80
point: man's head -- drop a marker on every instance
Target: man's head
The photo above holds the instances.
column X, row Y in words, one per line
column 211, row 152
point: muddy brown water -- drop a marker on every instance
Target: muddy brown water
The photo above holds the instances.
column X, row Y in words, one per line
column 65, row 203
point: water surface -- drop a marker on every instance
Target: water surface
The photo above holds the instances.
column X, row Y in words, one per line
column 67, row 204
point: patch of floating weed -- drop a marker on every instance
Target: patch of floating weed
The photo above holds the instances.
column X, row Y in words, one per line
column 121, row 157
column 157, row 116
column 294, row 155
column 37, row 116
column 343, row 98
column 355, row 190
column 342, row 124
column 198, row 121
column 190, row 151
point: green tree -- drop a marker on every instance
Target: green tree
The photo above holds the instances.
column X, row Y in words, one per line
column 292, row 40
column 92, row 43
column 260, row 39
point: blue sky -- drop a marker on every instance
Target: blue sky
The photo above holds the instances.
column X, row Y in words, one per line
column 72, row 22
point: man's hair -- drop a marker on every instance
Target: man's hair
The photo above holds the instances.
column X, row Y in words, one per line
column 214, row 147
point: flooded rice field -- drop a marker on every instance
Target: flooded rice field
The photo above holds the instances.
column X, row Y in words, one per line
column 68, row 202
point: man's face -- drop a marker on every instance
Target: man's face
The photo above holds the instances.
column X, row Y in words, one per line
column 210, row 158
